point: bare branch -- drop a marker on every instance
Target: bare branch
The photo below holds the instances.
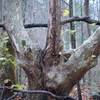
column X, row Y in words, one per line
column 40, row 92
column 1, row 25
column 90, row 47
column 35, row 25
column 91, row 21
column 83, row 18
column 71, row 19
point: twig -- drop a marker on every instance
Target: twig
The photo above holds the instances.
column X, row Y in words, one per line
column 35, row 25
column 75, row 18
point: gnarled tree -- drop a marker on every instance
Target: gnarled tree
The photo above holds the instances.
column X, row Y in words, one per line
column 45, row 69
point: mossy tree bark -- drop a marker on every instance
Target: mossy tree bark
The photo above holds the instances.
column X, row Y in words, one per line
column 7, row 66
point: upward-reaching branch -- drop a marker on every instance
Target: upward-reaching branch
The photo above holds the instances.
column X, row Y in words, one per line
column 83, row 59
column 53, row 46
column 64, row 76
column 13, row 23
column 28, row 53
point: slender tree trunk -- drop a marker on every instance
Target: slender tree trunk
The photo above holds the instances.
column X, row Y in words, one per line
column 72, row 26
column 73, row 43
column 86, row 13
column 88, row 32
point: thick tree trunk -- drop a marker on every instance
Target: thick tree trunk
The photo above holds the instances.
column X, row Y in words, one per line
column 45, row 69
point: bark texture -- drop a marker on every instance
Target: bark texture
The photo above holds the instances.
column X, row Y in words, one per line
column 44, row 68
column 53, row 46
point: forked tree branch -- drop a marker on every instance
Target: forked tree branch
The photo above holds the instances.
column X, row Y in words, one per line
column 81, row 60
column 28, row 53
